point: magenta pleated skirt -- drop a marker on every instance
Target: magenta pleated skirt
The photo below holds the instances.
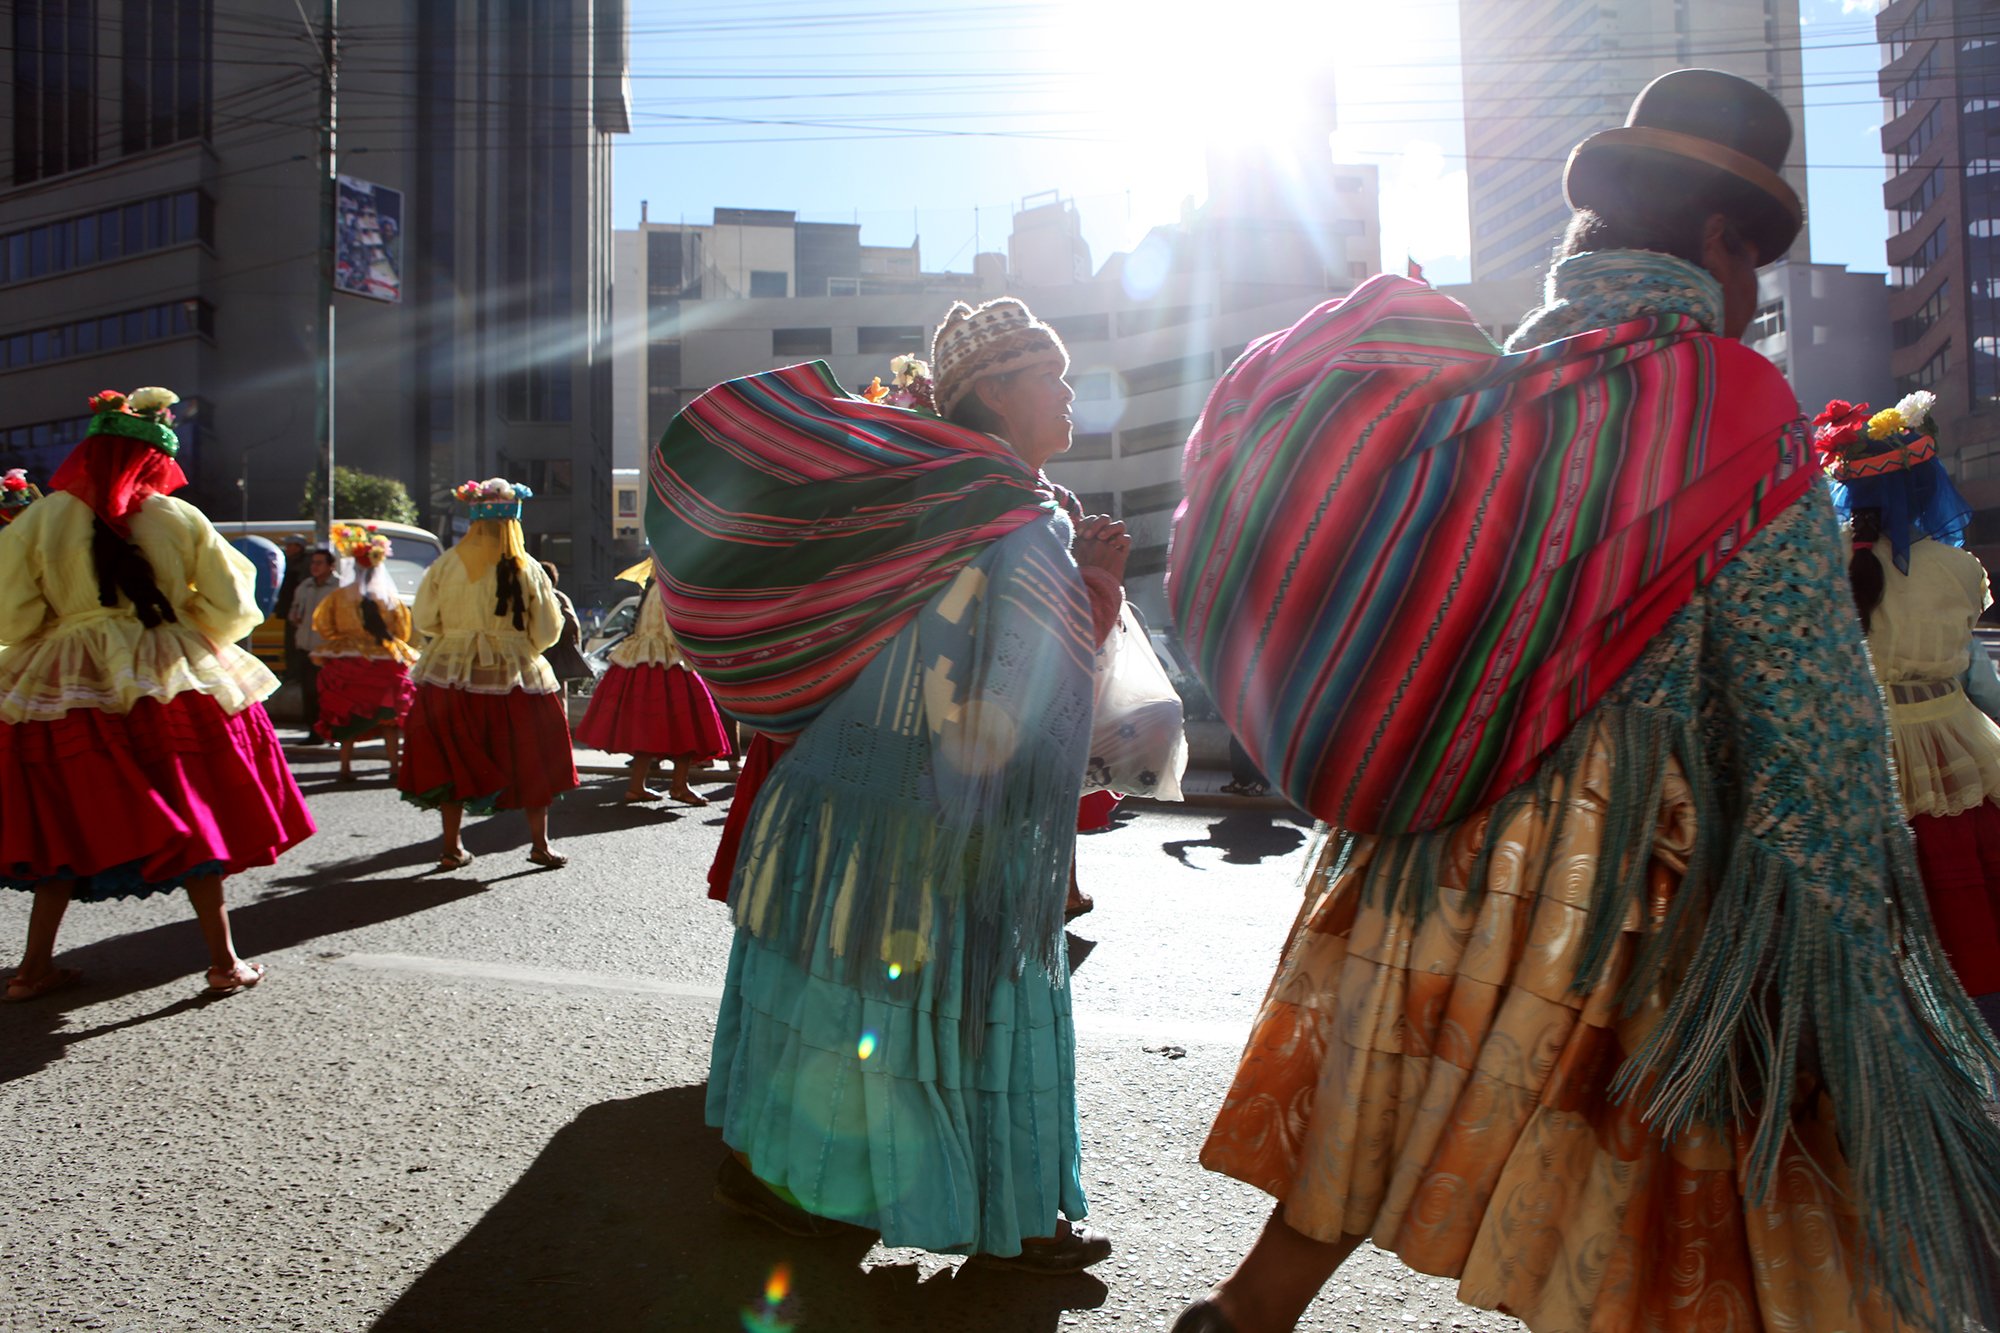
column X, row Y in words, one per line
column 665, row 711
column 130, row 804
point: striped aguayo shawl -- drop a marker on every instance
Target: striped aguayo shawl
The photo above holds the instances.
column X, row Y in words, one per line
column 1407, row 562
column 796, row 529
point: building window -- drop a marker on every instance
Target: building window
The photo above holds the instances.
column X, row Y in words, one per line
column 167, row 79
column 1907, row 214
column 891, row 339
column 1166, row 374
column 1081, row 328
column 1147, row 318
column 1905, row 154
column 1911, row 271
column 1153, row 499
column 1769, row 322
column 1927, row 374
column 55, row 87
column 537, row 154
column 1145, row 439
column 801, row 342
column 769, row 282
column 1908, row 330
column 107, row 333
column 1347, row 184
column 97, row 238
column 843, row 286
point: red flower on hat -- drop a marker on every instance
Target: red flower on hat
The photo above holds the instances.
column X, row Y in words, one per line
column 1837, row 427
column 107, row 400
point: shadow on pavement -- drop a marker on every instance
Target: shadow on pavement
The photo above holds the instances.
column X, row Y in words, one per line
column 613, row 1227
column 1245, row 839
column 32, row 1035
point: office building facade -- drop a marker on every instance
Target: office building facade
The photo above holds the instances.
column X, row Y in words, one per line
column 159, row 224
column 1539, row 75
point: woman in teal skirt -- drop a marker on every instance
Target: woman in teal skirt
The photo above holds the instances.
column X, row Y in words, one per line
column 896, row 596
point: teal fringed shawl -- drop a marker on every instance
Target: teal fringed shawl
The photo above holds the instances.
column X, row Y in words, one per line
column 939, row 790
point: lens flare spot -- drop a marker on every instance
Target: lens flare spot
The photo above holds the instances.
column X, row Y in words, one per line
column 895, row 971
column 866, row 1046
column 779, row 1285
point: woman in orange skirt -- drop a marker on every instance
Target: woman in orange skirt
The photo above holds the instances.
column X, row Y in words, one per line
column 364, row 653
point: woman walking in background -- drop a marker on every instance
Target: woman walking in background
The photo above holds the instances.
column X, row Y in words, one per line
column 651, row 706
column 1919, row 596
column 488, row 730
column 135, row 756
column 364, row 652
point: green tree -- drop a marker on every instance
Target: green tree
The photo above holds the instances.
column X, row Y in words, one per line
column 358, row 494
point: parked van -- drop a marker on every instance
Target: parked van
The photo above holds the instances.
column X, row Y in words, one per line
column 413, row 550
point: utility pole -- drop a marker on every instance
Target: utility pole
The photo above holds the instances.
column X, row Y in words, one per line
column 329, row 126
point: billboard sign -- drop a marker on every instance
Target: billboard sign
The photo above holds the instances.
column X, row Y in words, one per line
column 368, row 240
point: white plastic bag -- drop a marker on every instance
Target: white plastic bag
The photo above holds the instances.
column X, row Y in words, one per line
column 1138, row 746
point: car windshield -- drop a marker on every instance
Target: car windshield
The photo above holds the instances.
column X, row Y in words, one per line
column 407, row 562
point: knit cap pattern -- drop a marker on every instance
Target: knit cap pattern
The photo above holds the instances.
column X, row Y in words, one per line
column 996, row 338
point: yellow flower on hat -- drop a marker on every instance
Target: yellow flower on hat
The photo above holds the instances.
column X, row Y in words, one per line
column 1885, row 423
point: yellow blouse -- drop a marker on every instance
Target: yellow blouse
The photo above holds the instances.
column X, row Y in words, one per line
column 68, row 651
column 469, row 647
column 342, row 632
column 650, row 643
column 1947, row 752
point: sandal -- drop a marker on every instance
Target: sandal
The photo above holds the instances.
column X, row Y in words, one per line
column 687, row 796
column 458, row 860
column 552, row 860
column 52, row 980
column 1077, row 905
column 1076, row 1249
column 650, row 795
column 1204, row 1316
column 235, row 980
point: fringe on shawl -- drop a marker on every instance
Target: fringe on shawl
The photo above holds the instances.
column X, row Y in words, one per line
column 886, row 881
column 1769, row 980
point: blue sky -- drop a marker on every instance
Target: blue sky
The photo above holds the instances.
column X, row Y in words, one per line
column 937, row 121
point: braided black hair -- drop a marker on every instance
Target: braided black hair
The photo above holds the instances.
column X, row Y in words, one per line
column 371, row 620
column 1864, row 568
column 507, row 587
column 122, row 568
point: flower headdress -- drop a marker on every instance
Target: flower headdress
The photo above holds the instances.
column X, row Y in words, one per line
column 16, row 493
column 496, row 497
column 911, row 386
column 144, row 414
column 1888, row 462
column 362, row 543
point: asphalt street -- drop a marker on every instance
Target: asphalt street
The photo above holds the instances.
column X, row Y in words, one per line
column 474, row 1100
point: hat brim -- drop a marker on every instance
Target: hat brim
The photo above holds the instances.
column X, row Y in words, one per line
column 1618, row 169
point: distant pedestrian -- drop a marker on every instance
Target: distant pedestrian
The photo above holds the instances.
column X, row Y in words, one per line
column 295, row 573
column 364, row 653
column 317, row 586
column 16, row 494
column 1919, row 594
column 652, row 706
column 488, row 731
column 269, row 562
column 135, row 756
column 565, row 655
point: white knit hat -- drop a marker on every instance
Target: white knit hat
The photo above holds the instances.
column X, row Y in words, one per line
column 996, row 338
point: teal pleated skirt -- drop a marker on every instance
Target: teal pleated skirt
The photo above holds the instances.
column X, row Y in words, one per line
column 869, row 1109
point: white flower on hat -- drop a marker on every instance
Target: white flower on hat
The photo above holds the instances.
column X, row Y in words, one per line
column 1915, row 409
column 908, row 368
column 151, row 399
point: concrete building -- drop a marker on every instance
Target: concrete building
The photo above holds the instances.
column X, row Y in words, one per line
column 159, row 225
column 1827, row 329
column 1148, row 332
column 1539, row 75
column 1941, row 140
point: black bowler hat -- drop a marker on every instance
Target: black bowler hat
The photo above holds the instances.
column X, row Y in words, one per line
column 1702, row 132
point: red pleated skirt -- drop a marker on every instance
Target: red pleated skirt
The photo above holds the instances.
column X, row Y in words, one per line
column 1093, row 812
column 488, row 751
column 665, row 711
column 130, row 804
column 758, row 756
column 358, row 696
column 1960, row 859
